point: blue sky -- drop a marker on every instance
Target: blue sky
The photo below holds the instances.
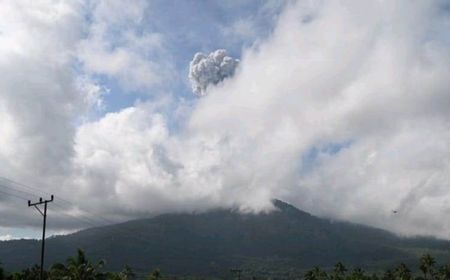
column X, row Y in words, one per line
column 185, row 28
column 338, row 107
column 188, row 27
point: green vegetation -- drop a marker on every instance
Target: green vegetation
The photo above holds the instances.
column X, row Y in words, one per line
column 80, row 267
column 2, row 273
column 428, row 270
column 280, row 244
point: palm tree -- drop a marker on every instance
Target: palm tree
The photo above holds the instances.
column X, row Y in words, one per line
column 125, row 274
column 155, row 275
column 309, row 275
column 402, row 272
column 427, row 263
column 358, row 274
column 2, row 273
column 82, row 268
column 444, row 272
column 78, row 268
column 316, row 274
column 339, row 271
column 388, row 275
column 28, row 274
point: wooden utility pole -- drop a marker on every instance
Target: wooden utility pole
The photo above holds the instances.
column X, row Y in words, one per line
column 44, row 214
column 237, row 271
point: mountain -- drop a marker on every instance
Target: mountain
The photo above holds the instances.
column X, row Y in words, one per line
column 283, row 242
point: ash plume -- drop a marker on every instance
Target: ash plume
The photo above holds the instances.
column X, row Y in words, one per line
column 211, row 69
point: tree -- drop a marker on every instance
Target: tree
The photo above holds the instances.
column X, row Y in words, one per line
column 444, row 272
column 155, row 275
column 32, row 273
column 309, row 275
column 339, row 271
column 427, row 263
column 316, row 274
column 402, row 272
column 358, row 274
column 78, row 268
column 125, row 274
column 2, row 273
column 388, row 275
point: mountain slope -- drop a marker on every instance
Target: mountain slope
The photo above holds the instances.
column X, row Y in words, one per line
column 211, row 243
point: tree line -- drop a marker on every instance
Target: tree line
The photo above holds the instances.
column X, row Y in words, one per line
column 427, row 267
column 79, row 267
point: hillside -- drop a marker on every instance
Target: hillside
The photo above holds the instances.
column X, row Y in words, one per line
column 281, row 242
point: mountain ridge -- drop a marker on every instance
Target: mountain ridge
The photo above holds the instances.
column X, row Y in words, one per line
column 212, row 242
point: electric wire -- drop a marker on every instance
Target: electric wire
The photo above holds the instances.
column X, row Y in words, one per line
column 13, row 195
column 140, row 275
column 93, row 222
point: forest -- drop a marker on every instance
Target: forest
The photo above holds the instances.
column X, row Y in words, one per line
column 80, row 267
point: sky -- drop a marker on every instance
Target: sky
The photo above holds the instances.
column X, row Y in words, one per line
column 125, row 110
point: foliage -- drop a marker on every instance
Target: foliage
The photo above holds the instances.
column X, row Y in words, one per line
column 125, row 274
column 155, row 275
column 2, row 273
column 427, row 266
column 339, row 271
column 279, row 244
column 427, row 263
column 79, row 267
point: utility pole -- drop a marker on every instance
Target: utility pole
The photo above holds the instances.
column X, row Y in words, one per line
column 44, row 214
column 237, row 271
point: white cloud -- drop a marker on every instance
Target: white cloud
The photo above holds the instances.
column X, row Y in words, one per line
column 135, row 163
column 119, row 47
column 38, row 99
column 252, row 28
column 93, row 93
column 365, row 77
column 241, row 29
column 6, row 237
column 342, row 111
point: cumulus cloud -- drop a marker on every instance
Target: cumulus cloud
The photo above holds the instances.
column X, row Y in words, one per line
column 343, row 111
column 211, row 69
column 39, row 97
column 349, row 126
column 133, row 160
column 116, row 46
column 6, row 237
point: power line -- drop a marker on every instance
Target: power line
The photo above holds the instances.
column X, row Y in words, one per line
column 16, row 190
column 90, row 221
column 84, row 217
column 21, row 185
column 13, row 195
column 86, row 220
column 236, row 271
